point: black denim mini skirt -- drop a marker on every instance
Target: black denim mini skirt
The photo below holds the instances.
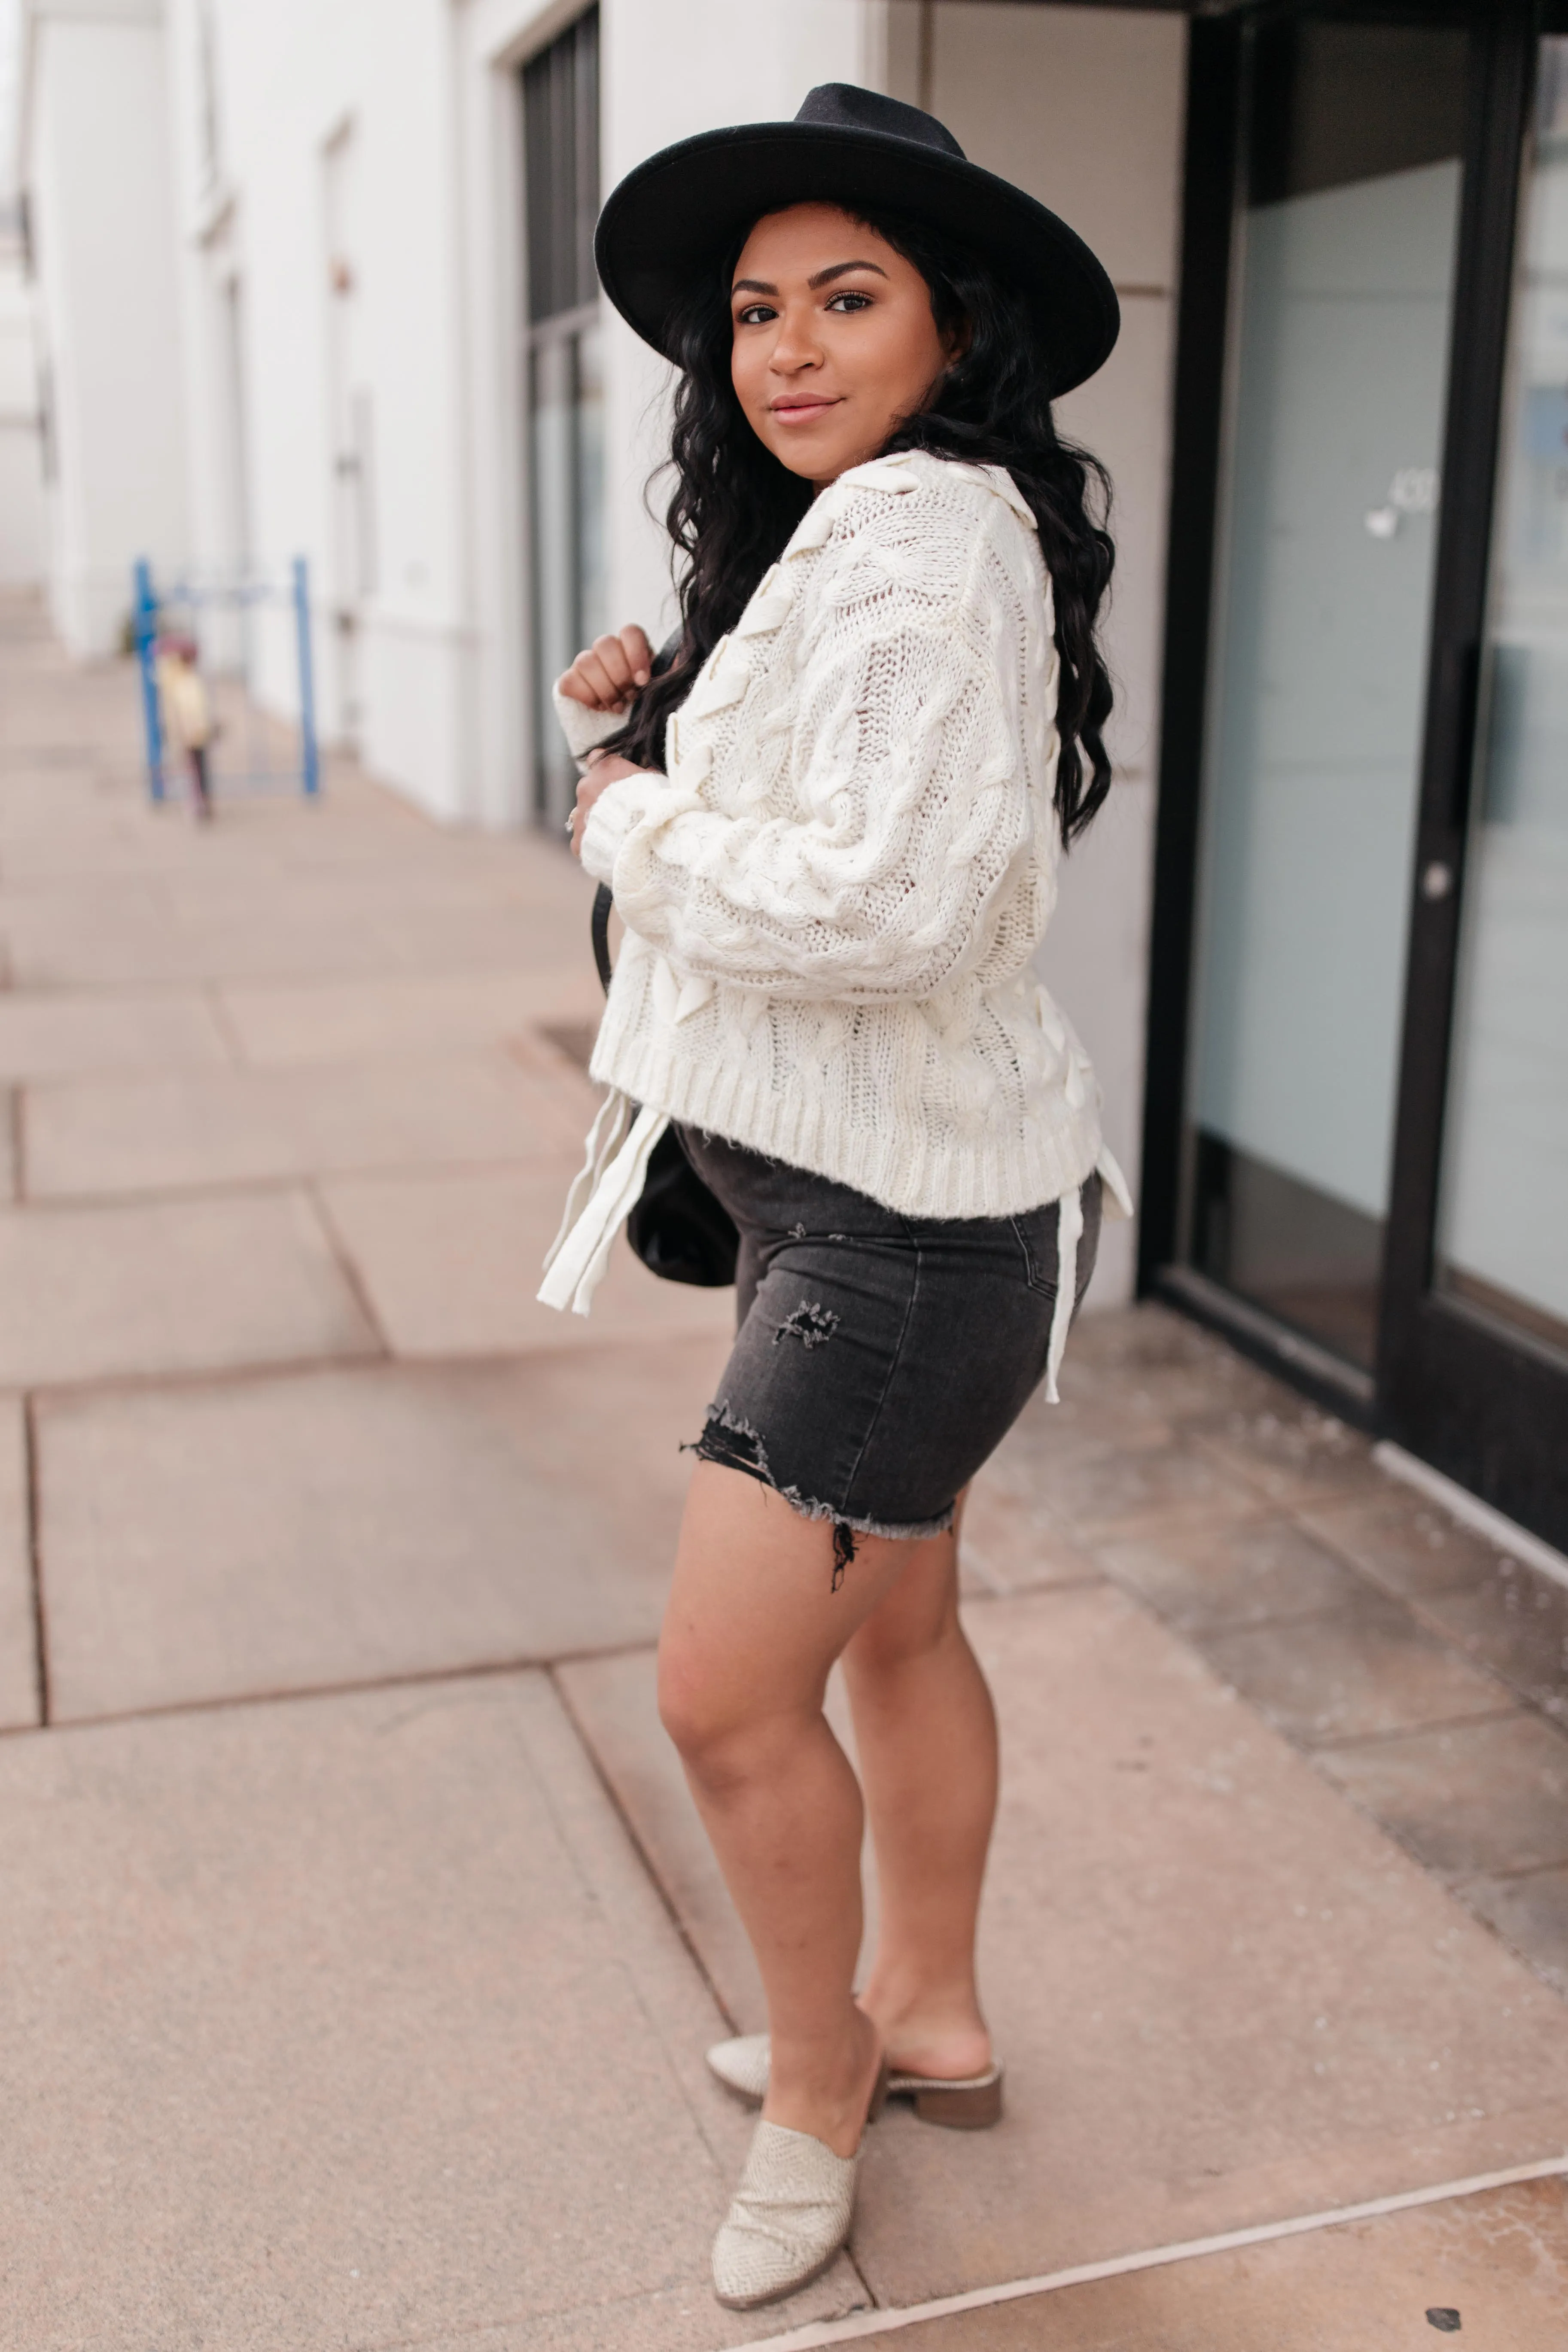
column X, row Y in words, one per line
column 879, row 1359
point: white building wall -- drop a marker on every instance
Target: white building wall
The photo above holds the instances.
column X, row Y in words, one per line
column 275, row 106
column 96, row 162
column 23, row 526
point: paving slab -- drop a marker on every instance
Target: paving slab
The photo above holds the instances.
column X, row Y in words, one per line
column 68, row 1036
column 1222, row 1997
column 452, row 1264
column 1529, row 1912
column 1257, row 1572
column 99, row 1137
column 1515, row 1620
column 127, row 1291
column 1010, row 1542
column 68, row 939
column 1499, row 2259
column 344, row 1020
column 305, row 1532
column 1147, row 1490
column 1469, row 1799
column 1404, row 1543
column 1366, row 1670
column 1294, row 1454
column 351, row 2021
column 18, row 1647
column 1161, row 1363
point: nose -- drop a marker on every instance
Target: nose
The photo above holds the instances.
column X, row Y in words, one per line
column 796, row 346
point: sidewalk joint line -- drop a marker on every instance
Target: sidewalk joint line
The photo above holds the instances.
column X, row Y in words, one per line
column 613, row 1798
column 859, row 2325
column 348, row 1266
column 1352, row 1741
column 413, row 1678
column 35, row 1562
column 18, row 1142
column 177, row 1380
column 210, row 995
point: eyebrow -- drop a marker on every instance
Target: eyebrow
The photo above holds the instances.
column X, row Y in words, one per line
column 823, row 277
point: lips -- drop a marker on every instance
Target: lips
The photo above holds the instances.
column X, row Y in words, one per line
column 797, row 411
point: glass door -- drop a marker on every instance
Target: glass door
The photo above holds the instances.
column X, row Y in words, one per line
column 1341, row 288
column 1356, row 1122
column 1473, row 1370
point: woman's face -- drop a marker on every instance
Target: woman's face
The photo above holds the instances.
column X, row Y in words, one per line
column 834, row 344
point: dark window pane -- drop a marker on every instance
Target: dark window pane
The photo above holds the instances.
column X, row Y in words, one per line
column 561, row 138
column 1336, row 103
column 561, row 131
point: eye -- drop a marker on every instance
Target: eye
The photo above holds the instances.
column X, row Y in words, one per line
column 850, row 301
column 754, row 314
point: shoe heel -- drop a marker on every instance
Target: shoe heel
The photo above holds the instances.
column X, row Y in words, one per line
column 972, row 2108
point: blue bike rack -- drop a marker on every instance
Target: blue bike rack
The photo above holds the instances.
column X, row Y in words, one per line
column 184, row 599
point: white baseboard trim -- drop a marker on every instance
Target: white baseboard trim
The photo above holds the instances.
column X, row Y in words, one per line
column 861, row 2324
column 1470, row 1511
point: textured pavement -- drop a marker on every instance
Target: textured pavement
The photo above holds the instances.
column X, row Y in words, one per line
column 360, row 1945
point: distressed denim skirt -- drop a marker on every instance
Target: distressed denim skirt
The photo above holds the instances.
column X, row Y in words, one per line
column 879, row 1359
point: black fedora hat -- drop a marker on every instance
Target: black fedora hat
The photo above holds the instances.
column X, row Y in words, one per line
column 677, row 214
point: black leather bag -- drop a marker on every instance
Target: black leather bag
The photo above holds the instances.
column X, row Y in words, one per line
column 680, row 1231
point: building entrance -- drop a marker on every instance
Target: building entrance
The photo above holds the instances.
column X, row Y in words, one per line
column 1344, row 278
column 1364, row 920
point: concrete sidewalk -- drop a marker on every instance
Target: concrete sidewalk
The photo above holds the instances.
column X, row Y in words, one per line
column 359, row 1945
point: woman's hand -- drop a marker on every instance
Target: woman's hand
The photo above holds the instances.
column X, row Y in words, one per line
column 611, row 670
column 603, row 769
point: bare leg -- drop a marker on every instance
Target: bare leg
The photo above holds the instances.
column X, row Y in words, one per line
column 926, row 1732
column 752, row 1627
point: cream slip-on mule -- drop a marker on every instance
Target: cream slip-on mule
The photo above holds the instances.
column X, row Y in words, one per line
column 972, row 2105
column 790, row 2215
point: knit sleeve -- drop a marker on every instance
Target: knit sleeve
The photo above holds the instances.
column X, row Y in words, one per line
column 908, row 771
column 584, row 729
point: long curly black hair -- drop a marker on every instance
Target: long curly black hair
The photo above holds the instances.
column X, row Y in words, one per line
column 734, row 506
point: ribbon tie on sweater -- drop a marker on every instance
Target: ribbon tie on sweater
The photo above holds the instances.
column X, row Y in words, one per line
column 606, row 1191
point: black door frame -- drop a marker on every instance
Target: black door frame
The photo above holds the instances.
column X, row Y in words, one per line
column 1488, row 1407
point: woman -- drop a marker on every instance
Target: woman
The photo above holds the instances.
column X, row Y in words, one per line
column 831, row 827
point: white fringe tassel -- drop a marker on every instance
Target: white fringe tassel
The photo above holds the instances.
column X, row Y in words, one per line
column 1069, row 1231
column 599, row 1203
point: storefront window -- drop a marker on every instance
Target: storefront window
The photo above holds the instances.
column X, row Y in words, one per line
column 1503, row 1224
column 1339, row 351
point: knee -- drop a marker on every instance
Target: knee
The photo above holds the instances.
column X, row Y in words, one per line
column 694, row 1708
column 894, row 1641
column 723, row 1739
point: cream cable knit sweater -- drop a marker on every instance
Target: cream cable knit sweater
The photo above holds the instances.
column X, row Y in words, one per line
column 832, row 898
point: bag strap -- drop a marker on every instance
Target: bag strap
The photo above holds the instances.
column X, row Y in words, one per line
column 599, row 926
column 599, row 922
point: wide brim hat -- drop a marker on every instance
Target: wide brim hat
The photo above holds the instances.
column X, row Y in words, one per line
column 678, row 215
